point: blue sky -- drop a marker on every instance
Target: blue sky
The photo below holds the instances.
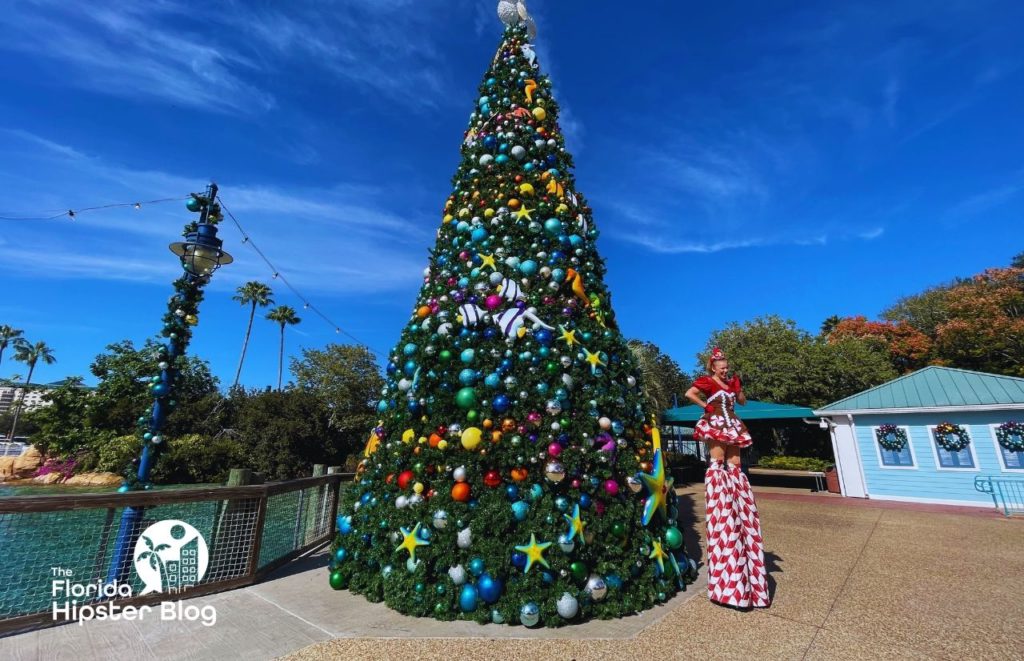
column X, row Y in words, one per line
column 797, row 158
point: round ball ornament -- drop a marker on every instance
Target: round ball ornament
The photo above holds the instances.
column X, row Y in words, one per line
column 529, row 614
column 472, row 436
column 566, row 544
column 492, row 479
column 673, row 537
column 554, row 471
column 338, row 580
column 468, row 598
column 567, row 606
column 440, row 519
column 465, row 399
column 489, row 588
column 596, row 588
column 460, row 492
column 520, row 509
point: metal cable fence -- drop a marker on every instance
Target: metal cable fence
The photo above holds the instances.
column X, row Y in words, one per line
column 1007, row 492
column 52, row 545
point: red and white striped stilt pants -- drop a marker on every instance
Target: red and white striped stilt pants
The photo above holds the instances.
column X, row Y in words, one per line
column 736, row 572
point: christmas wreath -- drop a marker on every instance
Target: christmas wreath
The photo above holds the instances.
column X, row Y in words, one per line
column 891, row 437
column 951, row 437
column 1011, row 436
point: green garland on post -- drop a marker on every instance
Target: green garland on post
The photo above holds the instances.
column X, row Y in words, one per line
column 1011, row 436
column 951, row 437
column 891, row 437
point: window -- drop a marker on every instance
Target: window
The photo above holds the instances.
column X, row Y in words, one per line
column 961, row 459
column 902, row 458
column 1010, row 460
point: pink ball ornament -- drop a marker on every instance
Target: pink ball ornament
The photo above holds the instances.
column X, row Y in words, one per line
column 554, row 449
column 611, row 487
column 463, row 255
column 575, row 483
column 493, row 302
column 533, row 418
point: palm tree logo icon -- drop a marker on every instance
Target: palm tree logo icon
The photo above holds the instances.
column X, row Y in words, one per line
column 170, row 555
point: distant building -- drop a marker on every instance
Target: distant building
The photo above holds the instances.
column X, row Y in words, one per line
column 31, row 394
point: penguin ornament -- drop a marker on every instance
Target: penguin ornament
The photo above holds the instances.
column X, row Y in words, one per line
column 512, row 322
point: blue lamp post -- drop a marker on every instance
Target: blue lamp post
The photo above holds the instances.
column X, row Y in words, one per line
column 201, row 254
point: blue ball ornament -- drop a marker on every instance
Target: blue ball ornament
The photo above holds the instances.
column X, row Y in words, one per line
column 478, row 233
column 476, row 566
column 410, row 367
column 467, row 356
column 512, row 492
column 489, row 588
column 536, row 491
column 468, row 377
column 584, row 500
column 501, row 403
column 529, row 167
column 548, row 577
column 613, row 581
column 562, row 503
column 501, row 159
column 518, row 559
column 558, row 275
column 340, row 555
column 424, row 533
column 492, row 380
column 490, row 333
column 463, row 283
column 618, row 427
column 543, row 336
column 520, row 509
column 468, row 598
column 552, row 226
column 344, row 524
column 409, row 349
column 160, row 389
column 490, row 142
column 365, row 498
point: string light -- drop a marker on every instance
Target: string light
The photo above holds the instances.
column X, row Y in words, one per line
column 277, row 275
column 71, row 214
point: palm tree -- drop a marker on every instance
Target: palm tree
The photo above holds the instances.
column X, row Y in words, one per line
column 284, row 315
column 155, row 561
column 30, row 354
column 8, row 336
column 255, row 294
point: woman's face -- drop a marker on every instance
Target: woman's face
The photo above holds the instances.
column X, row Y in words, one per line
column 720, row 368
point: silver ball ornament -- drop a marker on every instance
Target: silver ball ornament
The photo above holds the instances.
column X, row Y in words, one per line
column 596, row 588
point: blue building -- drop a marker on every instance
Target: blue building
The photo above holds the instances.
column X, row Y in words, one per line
column 926, row 436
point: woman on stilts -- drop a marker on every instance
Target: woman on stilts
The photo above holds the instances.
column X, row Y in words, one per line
column 736, row 571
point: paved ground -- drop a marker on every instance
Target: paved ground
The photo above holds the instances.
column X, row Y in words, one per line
column 852, row 580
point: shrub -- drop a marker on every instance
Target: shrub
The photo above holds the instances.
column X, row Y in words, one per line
column 795, row 463
column 196, row 459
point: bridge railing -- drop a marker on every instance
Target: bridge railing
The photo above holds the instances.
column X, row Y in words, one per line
column 1007, row 492
column 249, row 531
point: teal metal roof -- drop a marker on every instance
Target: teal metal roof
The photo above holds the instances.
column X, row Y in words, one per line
column 752, row 411
column 936, row 387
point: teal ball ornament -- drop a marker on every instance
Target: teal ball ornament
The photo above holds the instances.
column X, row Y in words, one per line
column 673, row 538
column 193, row 205
column 468, row 598
column 497, row 617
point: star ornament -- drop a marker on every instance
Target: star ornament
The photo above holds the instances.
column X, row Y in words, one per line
column 524, row 213
column 569, row 336
column 658, row 555
column 594, row 359
column 410, row 540
column 534, row 552
column 658, row 487
column 488, row 260
column 576, row 524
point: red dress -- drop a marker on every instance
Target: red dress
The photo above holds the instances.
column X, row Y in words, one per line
column 721, row 424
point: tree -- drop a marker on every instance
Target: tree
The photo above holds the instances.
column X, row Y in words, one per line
column 347, row 381
column 1018, row 261
column 254, row 294
column 512, row 423
column 908, row 348
column 8, row 336
column 62, row 425
column 924, row 312
column 779, row 362
column 122, row 395
column 660, row 377
column 285, row 316
column 830, row 324
column 30, row 354
column 985, row 330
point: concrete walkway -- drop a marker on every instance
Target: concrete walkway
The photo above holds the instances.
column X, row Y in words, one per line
column 851, row 581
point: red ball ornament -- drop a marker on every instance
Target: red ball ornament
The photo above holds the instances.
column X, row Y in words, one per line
column 519, row 178
column 492, row 478
column 404, row 478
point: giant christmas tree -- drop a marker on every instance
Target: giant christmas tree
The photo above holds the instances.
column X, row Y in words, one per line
column 512, row 477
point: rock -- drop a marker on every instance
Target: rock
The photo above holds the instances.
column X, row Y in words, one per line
column 49, row 478
column 7, row 467
column 94, row 480
column 27, row 463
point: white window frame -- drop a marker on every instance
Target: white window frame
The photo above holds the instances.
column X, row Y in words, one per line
column 970, row 446
column 878, row 450
column 999, row 451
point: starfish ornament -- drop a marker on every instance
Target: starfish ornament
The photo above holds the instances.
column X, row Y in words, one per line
column 658, row 555
column 569, row 336
column 594, row 359
column 658, row 487
column 576, row 524
column 534, row 552
column 524, row 213
column 410, row 540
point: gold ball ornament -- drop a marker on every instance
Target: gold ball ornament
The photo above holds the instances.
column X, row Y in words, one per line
column 539, row 114
column 191, row 319
column 526, row 189
column 408, row 435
